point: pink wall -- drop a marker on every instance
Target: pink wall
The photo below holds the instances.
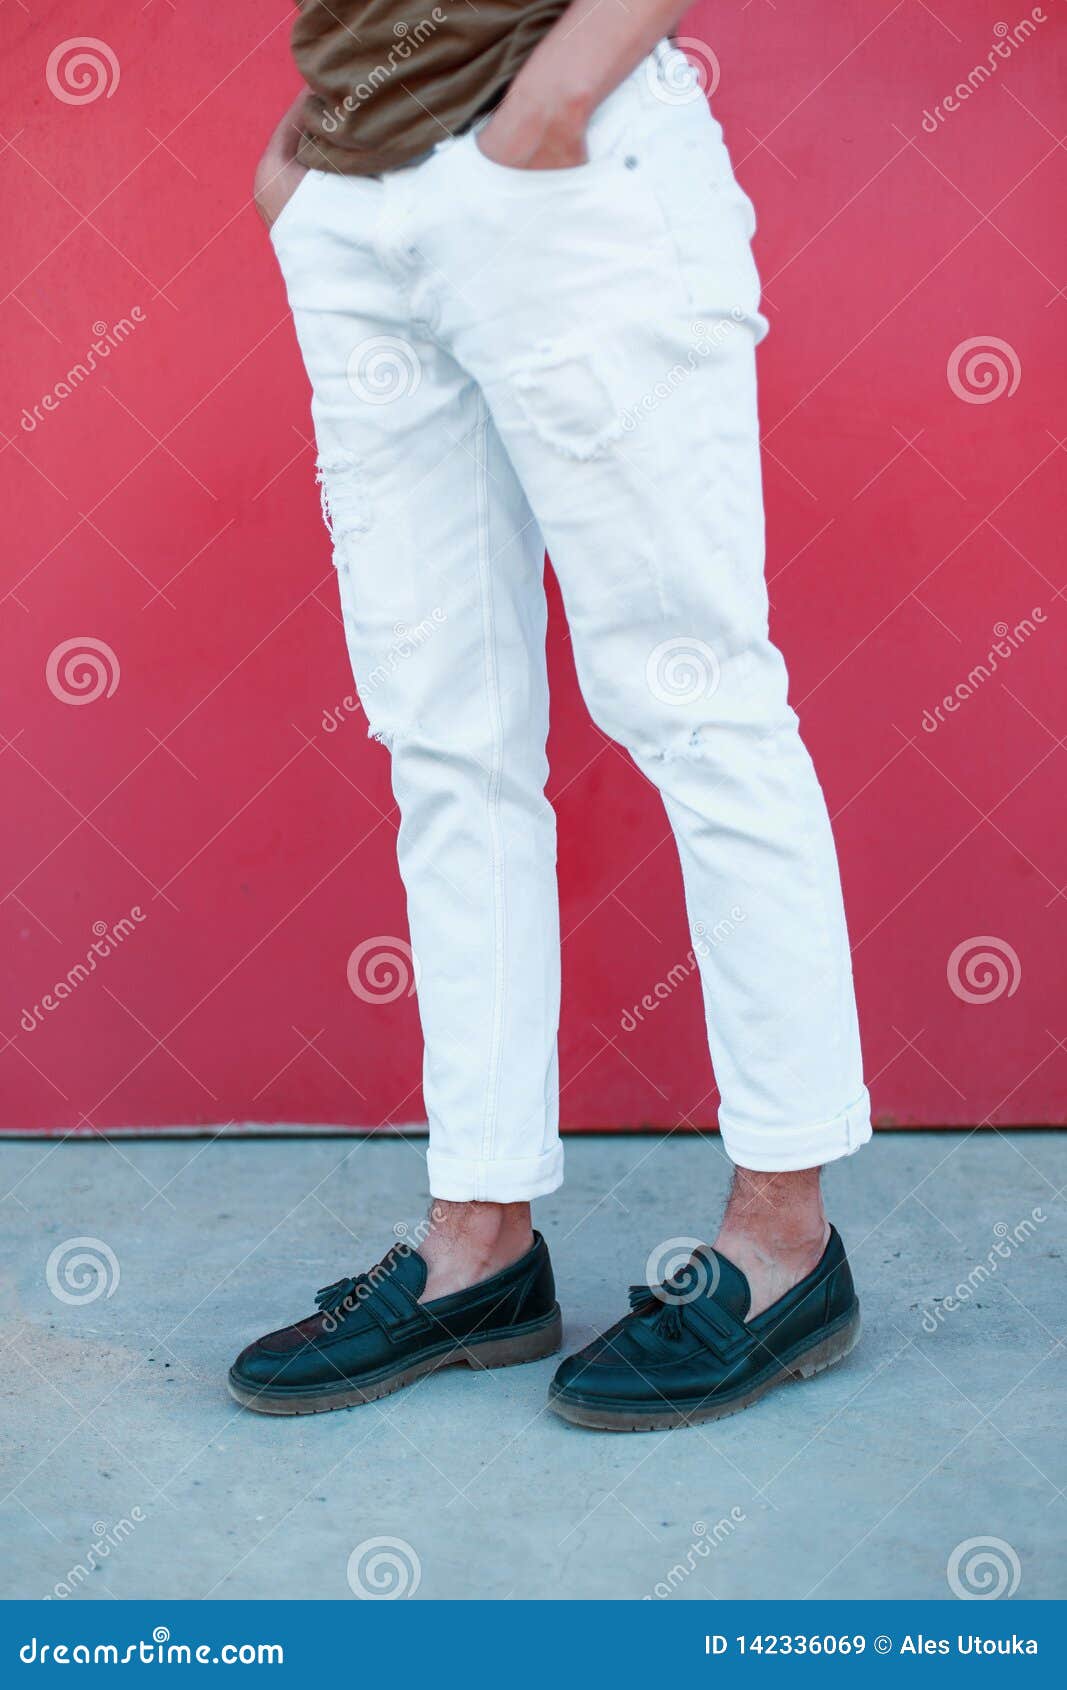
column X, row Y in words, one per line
column 166, row 508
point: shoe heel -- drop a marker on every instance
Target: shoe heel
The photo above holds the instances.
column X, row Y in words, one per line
column 517, row 1347
column 831, row 1350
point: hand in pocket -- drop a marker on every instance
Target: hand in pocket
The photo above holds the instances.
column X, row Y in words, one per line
column 525, row 136
column 279, row 172
column 275, row 185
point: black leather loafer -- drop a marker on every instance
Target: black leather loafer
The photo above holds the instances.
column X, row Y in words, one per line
column 686, row 1353
column 372, row 1335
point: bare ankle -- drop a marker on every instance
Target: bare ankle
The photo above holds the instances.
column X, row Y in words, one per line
column 468, row 1242
column 775, row 1230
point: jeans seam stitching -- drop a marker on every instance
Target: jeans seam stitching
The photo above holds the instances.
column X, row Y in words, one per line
column 493, row 787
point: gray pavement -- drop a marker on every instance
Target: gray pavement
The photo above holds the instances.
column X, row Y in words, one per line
column 128, row 1472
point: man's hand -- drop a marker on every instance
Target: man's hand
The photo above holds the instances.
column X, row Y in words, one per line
column 279, row 172
column 542, row 120
column 525, row 135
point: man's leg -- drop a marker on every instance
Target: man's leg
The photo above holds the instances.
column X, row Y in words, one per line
column 611, row 317
column 465, row 720
column 440, row 569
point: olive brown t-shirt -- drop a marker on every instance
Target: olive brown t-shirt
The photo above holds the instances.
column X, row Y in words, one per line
column 389, row 79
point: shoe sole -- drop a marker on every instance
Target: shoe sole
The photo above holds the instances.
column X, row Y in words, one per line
column 507, row 1348
column 825, row 1352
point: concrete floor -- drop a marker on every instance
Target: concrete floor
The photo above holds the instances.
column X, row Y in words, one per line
column 119, row 1445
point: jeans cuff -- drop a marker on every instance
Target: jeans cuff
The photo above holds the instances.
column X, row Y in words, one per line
column 775, row 1150
column 456, row 1179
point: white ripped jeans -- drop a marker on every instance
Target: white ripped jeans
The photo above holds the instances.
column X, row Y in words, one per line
column 502, row 359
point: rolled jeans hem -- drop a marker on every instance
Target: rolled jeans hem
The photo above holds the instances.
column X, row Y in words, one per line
column 811, row 1145
column 458, row 1179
